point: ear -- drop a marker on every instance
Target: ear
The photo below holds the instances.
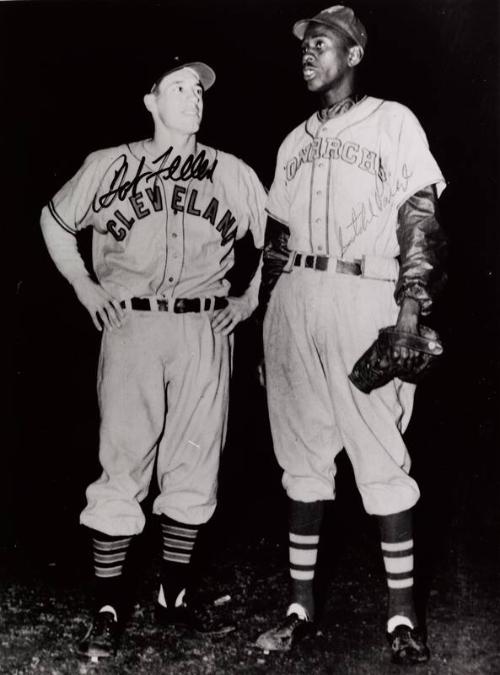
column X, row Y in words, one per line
column 149, row 102
column 355, row 55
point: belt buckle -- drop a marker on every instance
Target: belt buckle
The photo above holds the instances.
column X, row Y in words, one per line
column 179, row 306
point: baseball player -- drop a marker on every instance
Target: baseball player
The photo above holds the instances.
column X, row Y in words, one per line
column 355, row 189
column 165, row 214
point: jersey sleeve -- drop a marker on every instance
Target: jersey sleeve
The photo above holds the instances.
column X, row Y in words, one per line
column 252, row 200
column 423, row 250
column 415, row 167
column 71, row 206
column 421, row 239
column 277, row 202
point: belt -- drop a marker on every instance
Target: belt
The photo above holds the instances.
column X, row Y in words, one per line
column 178, row 306
column 321, row 262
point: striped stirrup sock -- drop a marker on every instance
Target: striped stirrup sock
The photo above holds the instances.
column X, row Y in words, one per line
column 397, row 550
column 109, row 555
column 304, row 523
column 178, row 541
column 303, row 553
column 398, row 563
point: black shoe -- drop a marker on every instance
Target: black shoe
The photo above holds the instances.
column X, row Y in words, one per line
column 101, row 640
column 282, row 637
column 198, row 618
column 408, row 646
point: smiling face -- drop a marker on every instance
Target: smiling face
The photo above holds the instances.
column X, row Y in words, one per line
column 177, row 102
column 328, row 62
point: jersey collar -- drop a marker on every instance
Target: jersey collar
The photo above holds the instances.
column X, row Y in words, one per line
column 340, row 107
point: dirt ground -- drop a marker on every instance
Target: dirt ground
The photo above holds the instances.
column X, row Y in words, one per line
column 45, row 607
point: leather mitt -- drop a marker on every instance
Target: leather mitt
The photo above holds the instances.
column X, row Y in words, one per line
column 377, row 365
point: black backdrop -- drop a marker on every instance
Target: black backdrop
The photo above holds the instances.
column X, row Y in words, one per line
column 73, row 76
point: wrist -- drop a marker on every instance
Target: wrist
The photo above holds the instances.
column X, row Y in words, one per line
column 76, row 280
column 250, row 300
column 410, row 307
column 409, row 314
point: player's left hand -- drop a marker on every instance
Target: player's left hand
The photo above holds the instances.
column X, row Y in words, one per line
column 225, row 320
column 408, row 322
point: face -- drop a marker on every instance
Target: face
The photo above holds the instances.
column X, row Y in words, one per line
column 178, row 102
column 326, row 60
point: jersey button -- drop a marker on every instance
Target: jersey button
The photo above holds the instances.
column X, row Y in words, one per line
column 320, row 248
column 318, row 220
column 174, row 235
column 171, row 279
column 319, row 193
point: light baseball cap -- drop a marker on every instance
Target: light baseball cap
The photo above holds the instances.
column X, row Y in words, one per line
column 204, row 72
column 338, row 17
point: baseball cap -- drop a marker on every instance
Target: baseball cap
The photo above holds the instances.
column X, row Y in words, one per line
column 204, row 72
column 338, row 17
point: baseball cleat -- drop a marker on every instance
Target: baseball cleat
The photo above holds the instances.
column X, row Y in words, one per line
column 197, row 618
column 101, row 639
column 283, row 637
column 407, row 646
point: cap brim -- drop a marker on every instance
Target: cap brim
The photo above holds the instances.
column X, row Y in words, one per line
column 300, row 27
column 205, row 73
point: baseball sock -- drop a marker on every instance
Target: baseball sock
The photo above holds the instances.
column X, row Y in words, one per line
column 396, row 532
column 109, row 554
column 304, row 528
column 178, row 540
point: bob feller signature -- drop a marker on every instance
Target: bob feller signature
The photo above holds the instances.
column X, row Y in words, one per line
column 193, row 167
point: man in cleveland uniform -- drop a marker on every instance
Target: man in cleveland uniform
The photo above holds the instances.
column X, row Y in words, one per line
column 355, row 187
column 165, row 214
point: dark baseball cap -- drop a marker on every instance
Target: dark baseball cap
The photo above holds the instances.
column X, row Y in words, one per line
column 339, row 18
column 204, row 72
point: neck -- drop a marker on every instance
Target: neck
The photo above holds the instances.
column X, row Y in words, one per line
column 338, row 93
column 181, row 144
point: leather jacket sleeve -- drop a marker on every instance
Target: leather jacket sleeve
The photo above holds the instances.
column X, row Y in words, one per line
column 275, row 257
column 423, row 249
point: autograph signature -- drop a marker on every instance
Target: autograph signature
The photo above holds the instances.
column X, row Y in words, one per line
column 367, row 211
column 193, row 167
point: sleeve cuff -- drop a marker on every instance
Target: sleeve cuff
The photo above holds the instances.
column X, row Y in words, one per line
column 416, row 291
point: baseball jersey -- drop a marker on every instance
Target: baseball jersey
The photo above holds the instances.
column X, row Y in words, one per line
column 339, row 183
column 154, row 235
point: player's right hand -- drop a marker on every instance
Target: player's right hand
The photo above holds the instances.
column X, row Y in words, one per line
column 103, row 308
column 407, row 322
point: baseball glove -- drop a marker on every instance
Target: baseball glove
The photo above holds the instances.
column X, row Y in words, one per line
column 378, row 366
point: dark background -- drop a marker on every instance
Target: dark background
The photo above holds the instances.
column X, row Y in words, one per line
column 73, row 77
